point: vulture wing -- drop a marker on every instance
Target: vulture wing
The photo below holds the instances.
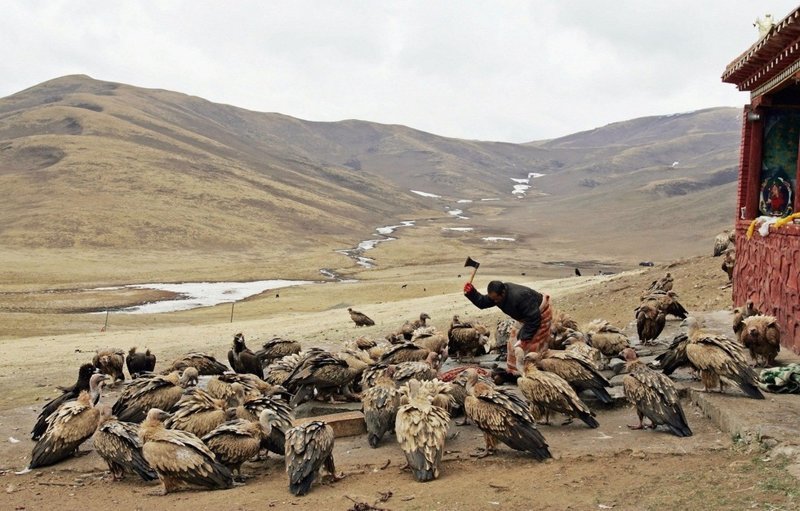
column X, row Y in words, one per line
column 655, row 397
column 307, row 448
column 118, row 443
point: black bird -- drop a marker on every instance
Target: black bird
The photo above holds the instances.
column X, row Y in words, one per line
column 242, row 359
column 84, row 375
column 577, row 272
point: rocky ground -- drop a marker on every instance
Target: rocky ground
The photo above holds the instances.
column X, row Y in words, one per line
column 733, row 461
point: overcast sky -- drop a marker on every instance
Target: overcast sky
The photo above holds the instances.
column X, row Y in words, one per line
column 493, row 70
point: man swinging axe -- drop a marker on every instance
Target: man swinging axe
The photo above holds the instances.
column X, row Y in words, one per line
column 530, row 308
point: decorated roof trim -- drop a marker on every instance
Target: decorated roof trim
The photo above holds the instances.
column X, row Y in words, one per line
column 768, row 57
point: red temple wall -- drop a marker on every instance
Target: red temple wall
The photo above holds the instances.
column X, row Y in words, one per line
column 767, row 270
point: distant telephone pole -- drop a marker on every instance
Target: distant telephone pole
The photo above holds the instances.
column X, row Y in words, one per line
column 232, row 304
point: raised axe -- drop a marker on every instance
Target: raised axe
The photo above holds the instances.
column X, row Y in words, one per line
column 474, row 264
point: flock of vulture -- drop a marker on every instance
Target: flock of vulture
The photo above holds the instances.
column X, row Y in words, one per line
column 185, row 430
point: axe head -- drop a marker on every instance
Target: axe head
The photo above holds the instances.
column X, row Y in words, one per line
column 472, row 262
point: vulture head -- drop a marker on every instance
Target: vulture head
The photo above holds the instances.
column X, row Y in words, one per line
column 424, row 316
column 189, row 377
column 238, row 340
column 265, row 420
column 691, row 325
column 157, row 415
column 629, row 355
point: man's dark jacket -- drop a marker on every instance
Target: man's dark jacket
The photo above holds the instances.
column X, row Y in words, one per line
column 520, row 302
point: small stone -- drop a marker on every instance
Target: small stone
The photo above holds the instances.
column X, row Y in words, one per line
column 769, row 443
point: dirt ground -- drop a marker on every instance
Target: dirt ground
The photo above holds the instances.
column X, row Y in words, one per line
column 610, row 467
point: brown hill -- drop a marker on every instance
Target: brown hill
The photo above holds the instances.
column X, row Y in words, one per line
column 101, row 166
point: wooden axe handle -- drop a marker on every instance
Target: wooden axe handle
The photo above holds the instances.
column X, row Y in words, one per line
column 474, row 271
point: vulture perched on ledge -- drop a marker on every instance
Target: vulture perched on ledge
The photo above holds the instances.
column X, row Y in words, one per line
column 140, row 362
column 180, row 458
column 71, row 425
column 421, row 429
column 84, row 374
column 119, row 445
column 719, row 359
column 501, row 415
column 360, row 319
column 308, row 447
column 548, row 392
column 654, row 396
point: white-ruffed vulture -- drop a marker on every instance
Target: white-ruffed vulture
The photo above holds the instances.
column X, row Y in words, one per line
column 119, row 445
column 142, row 394
column 242, row 359
column 308, row 447
column 421, row 429
column 577, row 371
column 85, row 372
column 548, row 392
column 605, row 337
column 379, row 404
column 719, row 359
column 236, row 441
column 761, row 335
column 68, row 427
column 138, row 362
column 654, row 397
column 502, row 415
column 180, row 458
column 359, row 318
column 110, row 361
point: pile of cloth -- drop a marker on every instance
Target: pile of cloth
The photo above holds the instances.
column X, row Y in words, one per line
column 782, row 380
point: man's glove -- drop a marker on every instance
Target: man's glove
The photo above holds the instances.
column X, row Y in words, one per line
column 468, row 288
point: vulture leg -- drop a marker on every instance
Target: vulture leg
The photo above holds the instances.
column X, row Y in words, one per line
column 641, row 424
column 464, row 422
column 331, row 468
column 488, row 450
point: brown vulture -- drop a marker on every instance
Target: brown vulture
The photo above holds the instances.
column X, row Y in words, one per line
column 742, row 313
column 68, row 427
column 467, row 338
column 308, row 447
column 675, row 356
column 430, row 339
column 575, row 342
column 275, row 349
column 379, row 404
column 421, row 429
column 547, row 392
column 605, row 337
column 138, row 362
column 84, row 374
column 204, row 363
column 650, row 322
column 423, row 370
column 408, row 328
column 728, row 263
column 654, row 397
column 322, row 372
column 576, row 370
column 236, row 441
column 180, row 458
column 762, row 336
column 275, row 411
column 406, row 352
column 119, row 445
column 110, row 361
column 242, row 359
column 142, row 394
column 667, row 302
column 723, row 241
column 719, row 359
column 197, row 412
column 502, row 415
column 360, row 319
